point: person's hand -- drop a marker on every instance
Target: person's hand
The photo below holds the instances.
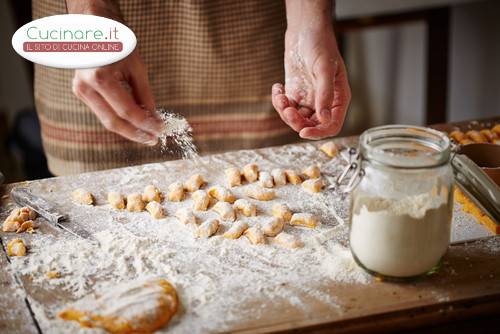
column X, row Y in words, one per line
column 316, row 94
column 120, row 96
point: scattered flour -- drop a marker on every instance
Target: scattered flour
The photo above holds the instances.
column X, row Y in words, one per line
column 177, row 136
column 213, row 277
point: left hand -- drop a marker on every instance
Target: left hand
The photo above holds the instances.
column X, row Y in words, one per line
column 316, row 94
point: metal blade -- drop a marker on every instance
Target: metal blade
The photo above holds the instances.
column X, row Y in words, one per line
column 24, row 197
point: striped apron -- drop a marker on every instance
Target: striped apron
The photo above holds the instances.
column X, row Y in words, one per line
column 212, row 61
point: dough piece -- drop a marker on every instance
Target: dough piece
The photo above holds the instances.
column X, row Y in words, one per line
column 25, row 226
column 255, row 235
column 251, row 172
column 476, row 136
column 293, row 177
column 233, row 177
column 207, row 228
column 313, row 185
column 330, row 149
column 155, row 210
column 185, row 216
column 82, row 196
column 16, row 218
column 236, row 230
column 245, row 207
column 53, row 274
column 135, row 203
column 282, row 211
column 457, row 136
column 176, row 192
column 312, row 172
column 141, row 306
column 261, row 194
column 266, row 180
column 272, row 226
column 201, row 200
column 304, row 219
column 194, row 183
column 496, row 129
column 151, row 193
column 466, row 141
column 16, row 247
column 221, row 194
column 489, row 135
column 279, row 176
column 288, row 240
column 116, row 200
column 225, row 211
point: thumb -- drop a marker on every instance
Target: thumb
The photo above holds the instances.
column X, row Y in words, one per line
column 324, row 93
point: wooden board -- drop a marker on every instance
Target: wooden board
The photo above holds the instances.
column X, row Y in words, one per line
column 467, row 286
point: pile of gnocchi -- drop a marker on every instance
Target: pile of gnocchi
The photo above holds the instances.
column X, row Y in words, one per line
column 19, row 220
column 221, row 200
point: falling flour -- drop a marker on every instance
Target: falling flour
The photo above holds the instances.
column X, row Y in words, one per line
column 177, row 137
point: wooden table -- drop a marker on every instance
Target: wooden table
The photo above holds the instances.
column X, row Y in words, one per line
column 464, row 295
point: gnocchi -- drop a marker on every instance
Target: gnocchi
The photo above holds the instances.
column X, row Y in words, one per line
column 16, row 218
column 155, row 210
column 82, row 196
column 26, row 226
column 185, row 216
column 279, row 176
column 221, row 194
column 16, row 247
column 288, row 240
column 245, row 207
column 194, row 183
column 225, row 211
column 201, row 200
column 304, row 219
column 255, row 235
column 135, row 203
column 151, row 193
column 282, row 211
column 236, row 230
column 176, row 192
column 116, row 200
column 476, row 136
column 251, row 172
column 261, row 194
column 312, row 172
column 207, row 228
column 313, row 185
column 266, row 180
column 233, row 176
column 330, row 149
column 457, row 136
column 293, row 177
column 271, row 227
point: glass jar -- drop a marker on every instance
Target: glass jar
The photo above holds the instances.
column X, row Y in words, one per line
column 402, row 205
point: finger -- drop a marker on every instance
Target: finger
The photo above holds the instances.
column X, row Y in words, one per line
column 325, row 80
column 141, row 89
column 125, row 106
column 112, row 122
column 277, row 89
column 280, row 102
column 320, row 131
column 295, row 120
column 341, row 98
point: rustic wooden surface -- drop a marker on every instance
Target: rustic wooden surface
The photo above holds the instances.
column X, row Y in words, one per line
column 467, row 286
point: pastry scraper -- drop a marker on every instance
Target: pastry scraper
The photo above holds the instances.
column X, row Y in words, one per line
column 24, row 197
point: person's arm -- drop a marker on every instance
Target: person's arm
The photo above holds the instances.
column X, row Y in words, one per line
column 119, row 94
column 316, row 94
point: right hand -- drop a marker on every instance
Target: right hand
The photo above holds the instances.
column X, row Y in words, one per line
column 127, row 111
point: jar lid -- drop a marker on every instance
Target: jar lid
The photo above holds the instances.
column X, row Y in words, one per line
column 404, row 146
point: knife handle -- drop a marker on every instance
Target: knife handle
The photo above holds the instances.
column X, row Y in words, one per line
column 24, row 197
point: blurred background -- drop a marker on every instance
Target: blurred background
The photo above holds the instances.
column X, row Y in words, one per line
column 409, row 61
